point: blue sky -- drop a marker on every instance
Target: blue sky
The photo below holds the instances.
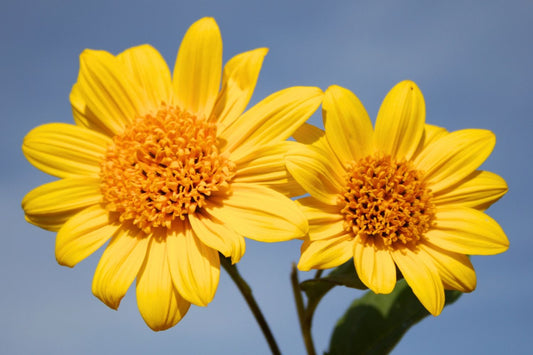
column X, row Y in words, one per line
column 471, row 59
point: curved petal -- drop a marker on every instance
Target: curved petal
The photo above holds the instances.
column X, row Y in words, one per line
column 238, row 84
column 326, row 253
column 348, row 127
column 83, row 116
column 316, row 172
column 215, row 234
column 309, row 134
column 266, row 166
column 400, row 121
column 150, row 71
column 432, row 133
column 467, row 231
column 422, row 276
column 51, row 205
column 108, row 91
column 272, row 120
column 259, row 213
column 65, row 150
column 198, row 68
column 453, row 157
column 479, row 191
column 326, row 230
column 325, row 221
column 119, row 265
column 83, row 234
column 194, row 267
column 160, row 304
column 318, row 212
column 455, row 270
column 375, row 266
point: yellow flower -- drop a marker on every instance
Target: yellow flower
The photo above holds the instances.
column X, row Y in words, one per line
column 168, row 169
column 404, row 195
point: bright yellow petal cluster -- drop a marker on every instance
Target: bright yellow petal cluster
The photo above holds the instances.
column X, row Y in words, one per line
column 168, row 169
column 403, row 195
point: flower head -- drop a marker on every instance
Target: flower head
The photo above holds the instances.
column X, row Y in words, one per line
column 168, row 169
column 404, row 195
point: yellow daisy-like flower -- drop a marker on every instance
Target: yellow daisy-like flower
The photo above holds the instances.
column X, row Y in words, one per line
column 169, row 169
column 404, row 195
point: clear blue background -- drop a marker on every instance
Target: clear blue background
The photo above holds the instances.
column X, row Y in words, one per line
column 472, row 60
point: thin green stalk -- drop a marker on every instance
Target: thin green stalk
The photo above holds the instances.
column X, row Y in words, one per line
column 303, row 315
column 246, row 292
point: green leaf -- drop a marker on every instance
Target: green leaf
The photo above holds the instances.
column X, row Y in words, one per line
column 344, row 275
column 315, row 289
column 373, row 324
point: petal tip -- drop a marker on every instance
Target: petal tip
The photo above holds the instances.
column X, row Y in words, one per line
column 407, row 85
column 206, row 22
column 303, row 266
column 111, row 303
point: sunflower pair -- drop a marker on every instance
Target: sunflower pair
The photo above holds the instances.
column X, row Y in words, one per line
column 171, row 171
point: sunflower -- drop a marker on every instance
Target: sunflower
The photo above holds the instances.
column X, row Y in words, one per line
column 405, row 195
column 168, row 169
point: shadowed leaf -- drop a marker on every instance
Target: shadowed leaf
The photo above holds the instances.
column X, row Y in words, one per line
column 373, row 324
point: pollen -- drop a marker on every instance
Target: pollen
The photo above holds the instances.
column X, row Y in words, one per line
column 386, row 201
column 162, row 168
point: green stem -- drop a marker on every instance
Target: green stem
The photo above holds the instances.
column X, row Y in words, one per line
column 303, row 315
column 246, row 292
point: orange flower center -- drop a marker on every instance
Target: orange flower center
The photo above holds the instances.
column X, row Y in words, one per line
column 163, row 167
column 387, row 200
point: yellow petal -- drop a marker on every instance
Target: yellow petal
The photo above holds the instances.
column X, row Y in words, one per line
column 150, row 72
column 480, row 190
column 50, row 205
column 259, row 213
column 348, row 127
column 198, row 68
column 317, row 212
column 326, row 230
column 83, row 116
column 309, row 134
column 160, row 304
column 83, row 234
column 238, row 84
column 400, row 121
column 108, row 90
column 432, row 133
column 375, row 267
column 266, row 166
column 455, row 270
column 272, row 120
column 215, row 234
column 49, row 222
column 423, row 277
column 119, row 265
column 65, row 150
column 467, row 231
column 194, row 267
column 453, row 157
column 325, row 221
column 318, row 173
column 326, row 253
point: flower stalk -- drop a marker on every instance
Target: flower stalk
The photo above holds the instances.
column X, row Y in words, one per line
column 246, row 292
column 304, row 316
